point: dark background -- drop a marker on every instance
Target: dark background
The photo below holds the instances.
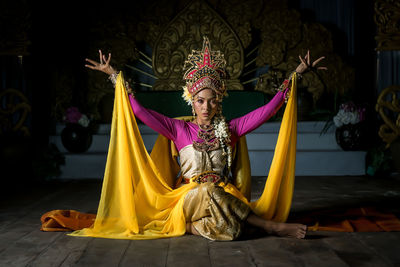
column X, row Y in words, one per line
column 59, row 38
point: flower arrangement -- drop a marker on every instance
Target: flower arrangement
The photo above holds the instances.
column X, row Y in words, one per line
column 349, row 113
column 77, row 134
column 73, row 115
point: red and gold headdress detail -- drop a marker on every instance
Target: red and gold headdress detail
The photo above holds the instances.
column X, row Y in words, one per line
column 204, row 69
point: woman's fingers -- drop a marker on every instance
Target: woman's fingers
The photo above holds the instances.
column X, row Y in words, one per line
column 306, row 62
column 302, row 61
column 90, row 67
column 91, row 61
column 316, row 61
column 94, row 63
column 109, row 58
column 105, row 60
column 101, row 57
column 103, row 65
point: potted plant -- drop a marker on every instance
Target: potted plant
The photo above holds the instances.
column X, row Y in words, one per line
column 76, row 136
column 350, row 126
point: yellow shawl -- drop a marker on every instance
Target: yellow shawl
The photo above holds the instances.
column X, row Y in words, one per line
column 138, row 200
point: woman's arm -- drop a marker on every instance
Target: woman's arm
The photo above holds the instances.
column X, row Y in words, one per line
column 158, row 122
column 249, row 122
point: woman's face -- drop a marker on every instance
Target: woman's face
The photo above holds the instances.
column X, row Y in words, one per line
column 205, row 105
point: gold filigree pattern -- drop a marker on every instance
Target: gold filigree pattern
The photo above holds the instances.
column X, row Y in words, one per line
column 239, row 15
column 184, row 34
column 388, row 107
column 283, row 60
column 280, row 24
column 387, row 17
column 210, row 142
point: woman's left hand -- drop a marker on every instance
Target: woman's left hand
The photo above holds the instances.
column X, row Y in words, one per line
column 305, row 64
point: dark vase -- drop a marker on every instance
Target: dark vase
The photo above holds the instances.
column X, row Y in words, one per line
column 351, row 136
column 76, row 138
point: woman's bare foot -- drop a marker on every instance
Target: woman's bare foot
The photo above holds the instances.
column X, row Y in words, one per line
column 286, row 229
column 191, row 230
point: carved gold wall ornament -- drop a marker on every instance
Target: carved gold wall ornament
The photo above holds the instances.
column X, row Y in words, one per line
column 14, row 111
column 239, row 15
column 387, row 17
column 185, row 33
column 388, row 107
column 154, row 16
column 278, row 24
column 275, row 52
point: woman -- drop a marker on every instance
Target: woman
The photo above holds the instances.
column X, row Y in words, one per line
column 205, row 148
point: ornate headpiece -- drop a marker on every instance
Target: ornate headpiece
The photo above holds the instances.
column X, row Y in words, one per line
column 206, row 70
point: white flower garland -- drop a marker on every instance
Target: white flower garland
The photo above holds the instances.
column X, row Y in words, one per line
column 224, row 136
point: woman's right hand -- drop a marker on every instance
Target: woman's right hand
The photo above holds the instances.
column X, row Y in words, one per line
column 103, row 65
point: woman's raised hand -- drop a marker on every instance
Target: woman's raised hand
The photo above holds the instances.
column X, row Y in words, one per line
column 103, row 65
column 305, row 64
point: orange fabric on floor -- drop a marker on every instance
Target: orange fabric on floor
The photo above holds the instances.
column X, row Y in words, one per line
column 364, row 219
column 66, row 220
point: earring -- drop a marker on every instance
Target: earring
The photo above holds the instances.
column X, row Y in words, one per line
column 193, row 112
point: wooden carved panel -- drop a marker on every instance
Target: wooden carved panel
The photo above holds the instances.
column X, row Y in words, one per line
column 387, row 19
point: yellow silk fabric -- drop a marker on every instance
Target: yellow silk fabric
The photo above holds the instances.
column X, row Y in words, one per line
column 138, row 200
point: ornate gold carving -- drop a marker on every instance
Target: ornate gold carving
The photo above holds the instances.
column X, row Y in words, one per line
column 239, row 15
column 387, row 17
column 14, row 111
column 280, row 50
column 388, row 107
column 153, row 18
column 184, row 34
column 280, row 31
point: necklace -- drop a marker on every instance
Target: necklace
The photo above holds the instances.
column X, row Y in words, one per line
column 207, row 134
column 204, row 127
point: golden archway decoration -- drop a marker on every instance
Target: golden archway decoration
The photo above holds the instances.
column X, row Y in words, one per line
column 185, row 33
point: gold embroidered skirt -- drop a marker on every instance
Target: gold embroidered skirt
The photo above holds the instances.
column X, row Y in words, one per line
column 215, row 214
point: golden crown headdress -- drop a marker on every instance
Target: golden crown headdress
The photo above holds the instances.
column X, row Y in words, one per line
column 204, row 69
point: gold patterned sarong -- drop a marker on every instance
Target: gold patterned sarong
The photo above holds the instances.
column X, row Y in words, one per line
column 214, row 213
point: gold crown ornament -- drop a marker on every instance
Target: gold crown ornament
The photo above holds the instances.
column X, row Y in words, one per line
column 204, row 69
